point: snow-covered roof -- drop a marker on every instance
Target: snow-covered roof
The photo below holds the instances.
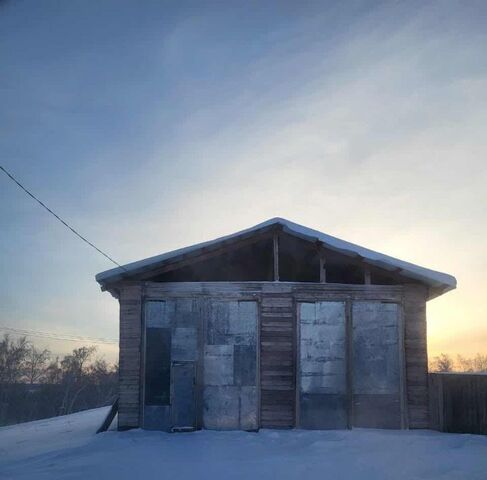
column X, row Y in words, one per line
column 439, row 282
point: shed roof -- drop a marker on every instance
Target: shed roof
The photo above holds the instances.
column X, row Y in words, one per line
column 438, row 282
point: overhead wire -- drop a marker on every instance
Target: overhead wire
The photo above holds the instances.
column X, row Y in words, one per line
column 66, row 224
column 52, row 335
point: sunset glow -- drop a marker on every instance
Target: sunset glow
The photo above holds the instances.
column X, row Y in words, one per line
column 172, row 126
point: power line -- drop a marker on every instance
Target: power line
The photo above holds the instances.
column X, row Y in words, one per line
column 60, row 219
column 56, row 336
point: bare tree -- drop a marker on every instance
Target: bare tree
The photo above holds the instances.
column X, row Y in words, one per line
column 75, row 378
column 75, row 363
column 35, row 364
column 475, row 364
column 443, row 363
column 464, row 364
column 480, row 363
column 12, row 359
column 70, row 383
column 104, row 377
column 53, row 373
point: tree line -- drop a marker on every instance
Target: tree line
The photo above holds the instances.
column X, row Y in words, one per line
column 34, row 384
column 446, row 363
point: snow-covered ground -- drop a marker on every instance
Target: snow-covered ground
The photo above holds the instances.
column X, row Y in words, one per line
column 18, row 442
column 67, row 448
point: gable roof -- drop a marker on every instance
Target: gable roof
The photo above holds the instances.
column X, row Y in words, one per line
column 439, row 282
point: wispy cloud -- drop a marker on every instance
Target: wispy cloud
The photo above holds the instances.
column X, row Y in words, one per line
column 365, row 121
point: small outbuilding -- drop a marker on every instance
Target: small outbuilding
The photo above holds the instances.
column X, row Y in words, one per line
column 276, row 326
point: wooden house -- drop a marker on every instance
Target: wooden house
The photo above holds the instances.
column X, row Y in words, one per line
column 278, row 325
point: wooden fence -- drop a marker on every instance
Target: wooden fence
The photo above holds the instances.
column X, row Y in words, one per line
column 458, row 402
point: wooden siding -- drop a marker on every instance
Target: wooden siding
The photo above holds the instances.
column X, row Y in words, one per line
column 251, row 290
column 130, row 349
column 277, row 362
column 414, row 310
column 458, row 402
column 411, row 297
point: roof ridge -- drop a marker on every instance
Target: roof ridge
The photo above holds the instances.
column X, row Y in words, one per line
column 435, row 279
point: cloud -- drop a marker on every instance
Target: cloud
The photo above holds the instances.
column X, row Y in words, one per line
column 364, row 120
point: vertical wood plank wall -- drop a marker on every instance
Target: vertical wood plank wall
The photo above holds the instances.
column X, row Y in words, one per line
column 458, row 402
column 414, row 309
column 129, row 357
column 412, row 297
column 277, row 362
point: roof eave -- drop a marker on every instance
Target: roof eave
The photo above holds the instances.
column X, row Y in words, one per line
column 432, row 279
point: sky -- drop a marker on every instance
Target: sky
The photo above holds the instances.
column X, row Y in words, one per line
column 154, row 125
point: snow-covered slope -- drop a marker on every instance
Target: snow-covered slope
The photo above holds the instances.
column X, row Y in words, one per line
column 66, row 447
column 34, row 438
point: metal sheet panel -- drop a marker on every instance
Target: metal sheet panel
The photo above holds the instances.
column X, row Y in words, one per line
column 173, row 329
column 186, row 314
column 322, row 348
column 183, row 395
column 248, row 408
column 218, row 365
column 157, row 417
column 171, row 311
column 232, row 323
column 307, row 312
column 221, row 407
column 322, row 412
column 376, row 365
column 377, row 411
column 245, row 365
column 230, row 366
column 242, row 323
column 322, row 366
column 155, row 315
column 375, row 348
column 184, row 344
column 217, row 324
